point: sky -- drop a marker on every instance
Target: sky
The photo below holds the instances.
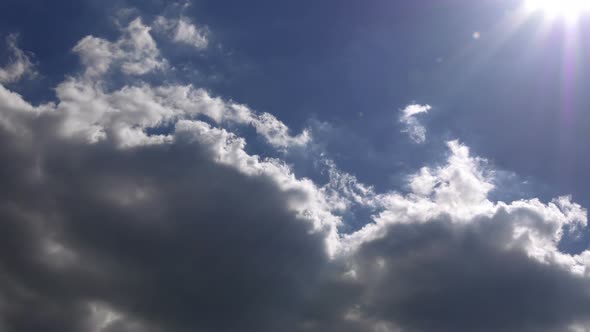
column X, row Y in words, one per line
column 298, row 166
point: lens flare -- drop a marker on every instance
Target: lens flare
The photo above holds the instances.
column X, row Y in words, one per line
column 568, row 9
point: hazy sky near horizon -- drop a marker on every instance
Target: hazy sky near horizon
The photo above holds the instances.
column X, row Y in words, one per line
column 380, row 165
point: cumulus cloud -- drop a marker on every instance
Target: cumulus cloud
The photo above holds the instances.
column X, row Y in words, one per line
column 183, row 30
column 135, row 53
column 19, row 63
column 124, row 115
column 412, row 125
column 109, row 227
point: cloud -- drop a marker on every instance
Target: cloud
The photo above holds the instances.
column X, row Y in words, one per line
column 413, row 127
column 124, row 115
column 192, row 215
column 108, row 226
column 440, row 276
column 135, row 53
column 182, row 30
column 19, row 62
column 445, row 258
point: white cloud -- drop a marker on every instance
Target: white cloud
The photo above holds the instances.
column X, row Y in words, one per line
column 183, row 30
column 123, row 115
column 19, row 62
column 459, row 191
column 135, row 53
column 344, row 190
column 413, row 127
column 414, row 109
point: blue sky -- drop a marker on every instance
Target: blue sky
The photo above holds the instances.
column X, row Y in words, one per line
column 374, row 130
column 356, row 65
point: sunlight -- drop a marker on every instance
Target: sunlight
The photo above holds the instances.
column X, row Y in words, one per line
column 567, row 9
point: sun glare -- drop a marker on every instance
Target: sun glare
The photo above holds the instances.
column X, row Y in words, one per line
column 568, row 9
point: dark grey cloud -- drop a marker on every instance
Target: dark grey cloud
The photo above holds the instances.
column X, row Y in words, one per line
column 161, row 233
column 442, row 277
column 162, row 237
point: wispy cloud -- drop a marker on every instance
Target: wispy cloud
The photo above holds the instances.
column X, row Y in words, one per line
column 412, row 125
column 183, row 30
column 19, row 62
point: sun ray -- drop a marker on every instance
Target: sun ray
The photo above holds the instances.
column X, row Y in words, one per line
column 569, row 10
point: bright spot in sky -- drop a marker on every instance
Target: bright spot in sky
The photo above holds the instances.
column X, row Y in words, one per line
column 568, row 9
